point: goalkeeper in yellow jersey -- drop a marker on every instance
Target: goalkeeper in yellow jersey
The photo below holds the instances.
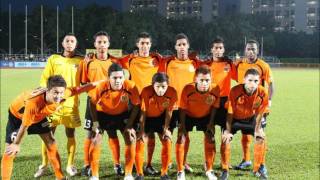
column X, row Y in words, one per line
column 64, row 64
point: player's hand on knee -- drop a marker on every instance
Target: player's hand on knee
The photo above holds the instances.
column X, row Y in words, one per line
column 97, row 138
column 131, row 134
column 259, row 135
column 141, row 136
column 12, row 149
column 227, row 137
column 95, row 127
column 166, row 134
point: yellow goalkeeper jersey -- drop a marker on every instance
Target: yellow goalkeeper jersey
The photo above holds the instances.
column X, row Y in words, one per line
column 68, row 69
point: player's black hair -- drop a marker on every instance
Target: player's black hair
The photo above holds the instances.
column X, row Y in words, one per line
column 203, row 69
column 181, row 36
column 114, row 67
column 69, row 34
column 252, row 71
column 101, row 33
column 252, row 41
column 218, row 39
column 160, row 78
column 143, row 35
column 56, row 81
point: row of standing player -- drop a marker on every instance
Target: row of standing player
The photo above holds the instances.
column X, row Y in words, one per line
column 144, row 65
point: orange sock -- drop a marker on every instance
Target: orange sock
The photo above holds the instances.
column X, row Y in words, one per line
column 246, row 141
column 170, row 160
column 139, row 157
column 264, row 152
column 54, row 158
column 129, row 158
column 151, row 146
column 209, row 152
column 86, row 148
column 6, row 166
column 179, row 155
column 165, row 156
column 258, row 156
column 186, row 148
column 95, row 150
column 115, row 149
column 225, row 151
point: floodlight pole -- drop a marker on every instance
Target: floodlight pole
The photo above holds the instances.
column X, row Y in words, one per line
column 72, row 25
column 262, row 46
column 10, row 52
column 41, row 31
column 26, row 32
column 57, row 29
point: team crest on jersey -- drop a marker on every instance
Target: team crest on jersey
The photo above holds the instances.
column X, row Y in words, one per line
column 209, row 100
column 124, row 98
column 240, row 100
column 256, row 104
column 227, row 68
column 165, row 104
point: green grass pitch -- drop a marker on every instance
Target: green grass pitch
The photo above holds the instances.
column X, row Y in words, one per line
column 293, row 132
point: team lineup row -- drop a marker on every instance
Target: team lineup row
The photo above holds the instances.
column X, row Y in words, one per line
column 162, row 93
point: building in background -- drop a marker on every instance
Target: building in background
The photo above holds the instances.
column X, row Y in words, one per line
column 205, row 10
column 290, row 15
column 229, row 7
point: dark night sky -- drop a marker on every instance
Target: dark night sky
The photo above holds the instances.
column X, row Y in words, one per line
column 19, row 5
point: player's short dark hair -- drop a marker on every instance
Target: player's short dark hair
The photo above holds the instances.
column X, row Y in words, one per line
column 101, row 33
column 252, row 41
column 56, row 81
column 69, row 34
column 218, row 39
column 160, row 78
column 114, row 67
column 252, row 71
column 181, row 36
column 203, row 69
column 143, row 35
